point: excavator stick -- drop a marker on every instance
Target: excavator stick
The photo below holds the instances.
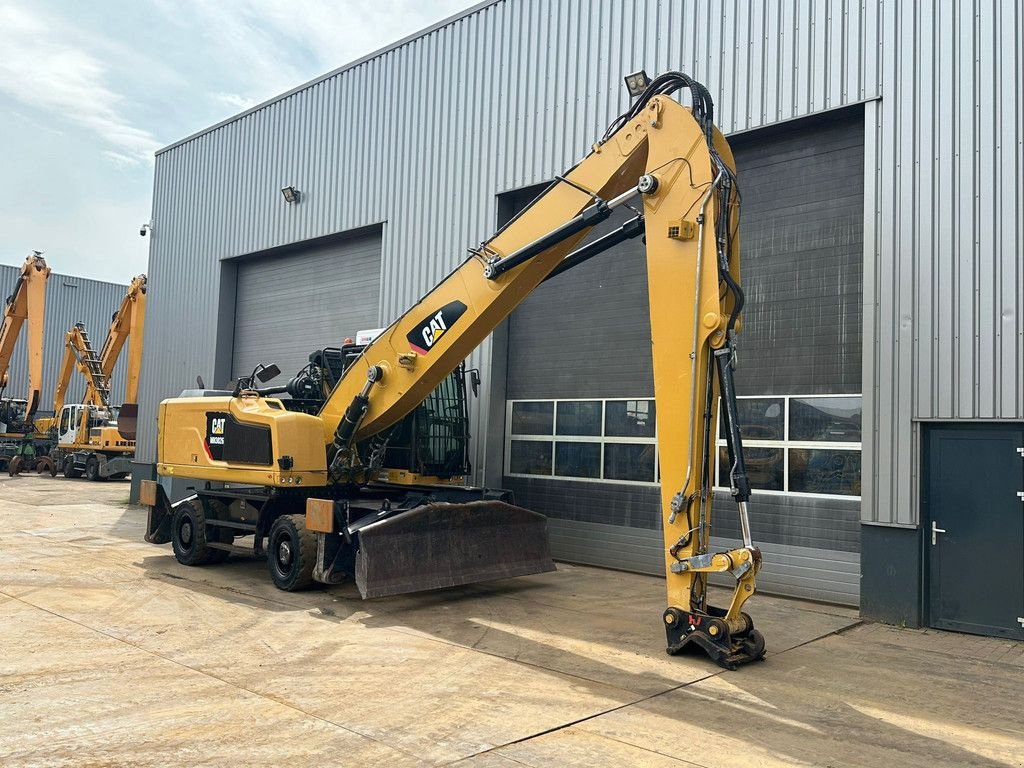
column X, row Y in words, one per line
column 440, row 545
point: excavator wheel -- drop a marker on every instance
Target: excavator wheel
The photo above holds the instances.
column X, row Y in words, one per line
column 15, row 465
column 291, row 553
column 188, row 534
column 92, row 469
column 69, row 468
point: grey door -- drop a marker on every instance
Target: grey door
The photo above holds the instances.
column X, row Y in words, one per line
column 974, row 528
column 288, row 306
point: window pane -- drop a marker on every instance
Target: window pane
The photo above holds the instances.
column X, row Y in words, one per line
column 629, row 418
column 530, row 457
column 579, row 418
column 533, row 418
column 831, row 419
column 761, row 418
column 765, row 467
column 578, row 459
column 628, row 461
column 820, row 470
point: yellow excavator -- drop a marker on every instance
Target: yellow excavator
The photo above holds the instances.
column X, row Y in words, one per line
column 94, row 438
column 25, row 306
column 318, row 482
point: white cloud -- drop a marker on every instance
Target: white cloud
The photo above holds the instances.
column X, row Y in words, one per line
column 278, row 44
column 234, row 100
column 40, row 70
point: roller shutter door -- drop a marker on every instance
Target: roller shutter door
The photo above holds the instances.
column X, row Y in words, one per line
column 586, row 336
column 287, row 306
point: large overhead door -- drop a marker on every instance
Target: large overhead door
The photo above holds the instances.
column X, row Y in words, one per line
column 289, row 305
column 580, row 441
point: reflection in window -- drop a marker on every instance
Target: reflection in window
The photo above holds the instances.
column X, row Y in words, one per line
column 581, row 417
column 761, row 418
column 831, row 419
column 629, row 418
column 530, row 457
column 533, row 418
column 766, row 468
column 628, row 461
column 578, row 459
column 814, row 470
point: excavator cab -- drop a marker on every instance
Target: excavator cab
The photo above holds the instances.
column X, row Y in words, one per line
column 429, row 446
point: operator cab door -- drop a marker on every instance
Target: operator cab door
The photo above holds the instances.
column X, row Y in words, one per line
column 70, row 417
column 973, row 498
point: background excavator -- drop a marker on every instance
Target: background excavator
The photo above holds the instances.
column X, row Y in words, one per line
column 25, row 306
column 94, row 438
column 311, row 476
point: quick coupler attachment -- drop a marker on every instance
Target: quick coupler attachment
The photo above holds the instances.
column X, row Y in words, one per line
column 728, row 646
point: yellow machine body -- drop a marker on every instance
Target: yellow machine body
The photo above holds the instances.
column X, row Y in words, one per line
column 193, row 429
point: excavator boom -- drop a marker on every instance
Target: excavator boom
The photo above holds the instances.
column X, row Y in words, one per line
column 26, row 304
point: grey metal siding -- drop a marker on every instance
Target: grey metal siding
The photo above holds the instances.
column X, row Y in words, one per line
column 287, row 306
column 424, row 133
column 69, row 300
column 831, row 576
column 944, row 281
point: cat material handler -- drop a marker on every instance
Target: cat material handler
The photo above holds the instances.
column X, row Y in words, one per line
column 307, row 482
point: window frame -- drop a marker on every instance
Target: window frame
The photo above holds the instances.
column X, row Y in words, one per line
column 602, row 439
column 784, row 445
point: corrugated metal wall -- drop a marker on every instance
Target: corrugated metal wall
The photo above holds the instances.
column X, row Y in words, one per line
column 943, row 282
column 68, row 300
column 423, row 135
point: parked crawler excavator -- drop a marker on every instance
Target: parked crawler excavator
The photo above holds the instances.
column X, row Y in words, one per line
column 307, row 480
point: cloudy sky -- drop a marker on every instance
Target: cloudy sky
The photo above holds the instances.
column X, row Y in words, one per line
column 89, row 90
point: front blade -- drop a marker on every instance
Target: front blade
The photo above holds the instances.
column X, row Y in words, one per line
column 444, row 545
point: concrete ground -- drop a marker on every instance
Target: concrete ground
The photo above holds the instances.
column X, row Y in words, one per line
column 113, row 654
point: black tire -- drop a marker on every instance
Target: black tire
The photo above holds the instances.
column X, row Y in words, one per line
column 188, row 534
column 92, row 469
column 69, row 468
column 218, row 510
column 291, row 553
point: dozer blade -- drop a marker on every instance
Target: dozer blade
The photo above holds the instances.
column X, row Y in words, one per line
column 444, row 545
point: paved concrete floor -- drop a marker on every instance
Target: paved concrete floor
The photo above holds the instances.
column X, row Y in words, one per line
column 113, row 654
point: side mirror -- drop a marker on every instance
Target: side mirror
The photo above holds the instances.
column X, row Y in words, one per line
column 267, row 373
column 474, row 381
column 199, row 382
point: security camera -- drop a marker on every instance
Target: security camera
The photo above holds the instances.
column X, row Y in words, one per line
column 144, row 229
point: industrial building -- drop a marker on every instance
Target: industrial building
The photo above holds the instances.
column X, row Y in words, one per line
column 69, row 300
column 879, row 153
